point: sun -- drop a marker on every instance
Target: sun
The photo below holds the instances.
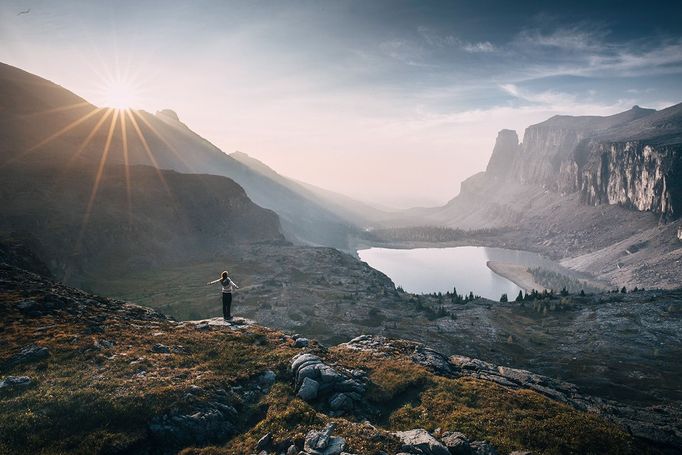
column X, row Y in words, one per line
column 120, row 94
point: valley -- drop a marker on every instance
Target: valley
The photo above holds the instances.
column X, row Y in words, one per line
column 618, row 346
column 137, row 207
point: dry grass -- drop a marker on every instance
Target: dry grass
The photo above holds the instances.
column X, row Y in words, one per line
column 89, row 395
column 510, row 419
column 102, row 384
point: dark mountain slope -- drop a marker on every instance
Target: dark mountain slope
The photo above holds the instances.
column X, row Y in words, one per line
column 163, row 217
column 358, row 212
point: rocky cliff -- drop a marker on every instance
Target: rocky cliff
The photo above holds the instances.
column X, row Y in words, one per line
column 626, row 159
column 633, row 174
column 504, row 153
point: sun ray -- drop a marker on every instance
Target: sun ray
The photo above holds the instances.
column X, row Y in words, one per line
column 88, row 138
column 54, row 110
column 98, row 179
column 124, row 139
column 66, row 129
column 145, row 145
column 168, row 144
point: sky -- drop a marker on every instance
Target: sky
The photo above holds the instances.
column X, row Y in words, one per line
column 388, row 101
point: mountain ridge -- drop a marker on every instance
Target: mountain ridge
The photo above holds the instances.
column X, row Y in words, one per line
column 71, row 129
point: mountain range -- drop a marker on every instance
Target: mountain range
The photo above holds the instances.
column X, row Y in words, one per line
column 43, row 122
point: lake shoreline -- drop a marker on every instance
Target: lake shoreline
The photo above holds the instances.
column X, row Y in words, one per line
column 429, row 270
column 517, row 274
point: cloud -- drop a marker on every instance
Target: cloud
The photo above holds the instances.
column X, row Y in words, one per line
column 585, row 50
column 439, row 41
column 482, row 46
column 435, row 39
column 580, row 37
column 405, row 51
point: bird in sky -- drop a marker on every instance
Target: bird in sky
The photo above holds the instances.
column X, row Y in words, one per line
column 26, row 11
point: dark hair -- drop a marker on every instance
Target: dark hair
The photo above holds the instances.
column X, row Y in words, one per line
column 224, row 275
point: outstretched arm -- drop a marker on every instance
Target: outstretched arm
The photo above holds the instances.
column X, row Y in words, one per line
column 234, row 284
column 213, row 282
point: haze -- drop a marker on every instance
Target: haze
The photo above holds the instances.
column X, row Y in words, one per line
column 392, row 102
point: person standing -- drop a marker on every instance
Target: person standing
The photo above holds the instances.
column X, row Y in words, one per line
column 228, row 286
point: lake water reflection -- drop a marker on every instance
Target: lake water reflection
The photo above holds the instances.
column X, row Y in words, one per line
column 426, row 270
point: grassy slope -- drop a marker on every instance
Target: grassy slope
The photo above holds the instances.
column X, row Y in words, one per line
column 88, row 397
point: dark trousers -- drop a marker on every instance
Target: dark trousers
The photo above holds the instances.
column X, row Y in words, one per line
column 227, row 305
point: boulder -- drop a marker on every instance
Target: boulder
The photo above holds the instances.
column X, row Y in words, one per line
column 264, row 442
column 421, row 440
column 340, row 401
column 301, row 359
column 314, row 379
column 301, row 343
column 456, row 442
column 29, row 353
column 323, row 443
column 200, row 428
column 483, row 448
column 308, row 390
column 161, row 349
column 267, row 379
column 15, row 382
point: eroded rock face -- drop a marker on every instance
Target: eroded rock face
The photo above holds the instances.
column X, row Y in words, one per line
column 631, row 174
column 608, row 160
column 544, row 149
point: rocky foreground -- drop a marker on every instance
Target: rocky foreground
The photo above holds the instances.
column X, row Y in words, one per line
column 85, row 374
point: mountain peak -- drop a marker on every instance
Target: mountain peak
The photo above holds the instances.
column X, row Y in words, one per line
column 168, row 113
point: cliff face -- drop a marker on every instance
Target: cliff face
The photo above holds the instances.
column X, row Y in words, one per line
column 633, row 159
column 506, row 149
column 542, row 154
column 632, row 174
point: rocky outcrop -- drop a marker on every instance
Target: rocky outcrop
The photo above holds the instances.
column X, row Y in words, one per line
column 29, row 353
column 15, row 382
column 323, row 443
column 337, row 390
column 228, row 381
column 421, row 442
column 504, row 153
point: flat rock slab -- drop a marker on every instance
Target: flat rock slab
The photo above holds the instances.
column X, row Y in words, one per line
column 234, row 323
column 421, row 439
